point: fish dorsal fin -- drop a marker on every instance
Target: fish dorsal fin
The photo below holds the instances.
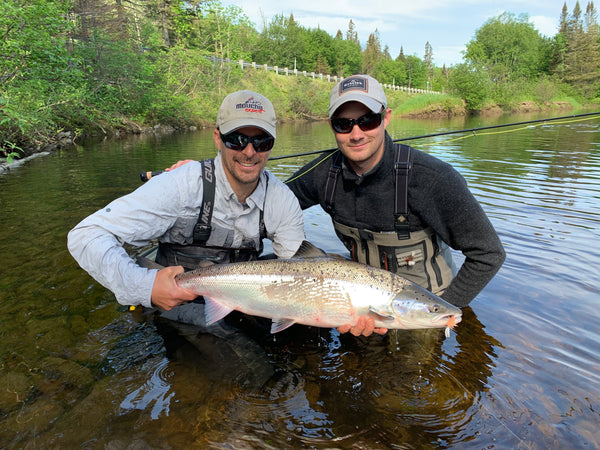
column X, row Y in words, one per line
column 281, row 324
column 214, row 311
column 382, row 315
column 308, row 250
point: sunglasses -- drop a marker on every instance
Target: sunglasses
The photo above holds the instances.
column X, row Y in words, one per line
column 238, row 141
column 368, row 122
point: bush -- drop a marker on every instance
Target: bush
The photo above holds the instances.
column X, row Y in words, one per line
column 472, row 85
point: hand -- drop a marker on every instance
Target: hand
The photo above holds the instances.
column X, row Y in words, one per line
column 165, row 292
column 365, row 327
column 178, row 164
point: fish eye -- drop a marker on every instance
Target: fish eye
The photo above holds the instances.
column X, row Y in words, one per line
column 434, row 308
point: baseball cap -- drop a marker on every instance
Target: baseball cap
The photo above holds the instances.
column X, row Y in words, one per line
column 246, row 109
column 358, row 88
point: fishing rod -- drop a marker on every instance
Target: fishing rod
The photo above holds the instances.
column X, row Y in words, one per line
column 444, row 133
column 145, row 176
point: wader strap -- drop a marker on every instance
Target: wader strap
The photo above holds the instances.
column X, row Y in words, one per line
column 262, row 229
column 334, row 171
column 202, row 228
column 402, row 166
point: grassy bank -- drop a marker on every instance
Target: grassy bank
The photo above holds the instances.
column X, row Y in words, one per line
column 167, row 108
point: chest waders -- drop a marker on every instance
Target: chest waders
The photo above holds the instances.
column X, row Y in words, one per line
column 420, row 256
column 191, row 256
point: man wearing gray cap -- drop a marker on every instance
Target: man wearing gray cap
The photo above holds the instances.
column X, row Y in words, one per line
column 396, row 207
column 215, row 210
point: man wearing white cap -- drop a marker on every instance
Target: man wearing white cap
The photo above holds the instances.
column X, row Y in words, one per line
column 396, row 207
column 215, row 210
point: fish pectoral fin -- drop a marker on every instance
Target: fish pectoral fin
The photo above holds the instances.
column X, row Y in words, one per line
column 215, row 311
column 281, row 324
column 382, row 315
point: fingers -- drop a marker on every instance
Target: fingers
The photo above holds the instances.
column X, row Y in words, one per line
column 178, row 164
column 165, row 292
column 365, row 326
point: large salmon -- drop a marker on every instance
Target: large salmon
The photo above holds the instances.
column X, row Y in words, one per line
column 319, row 291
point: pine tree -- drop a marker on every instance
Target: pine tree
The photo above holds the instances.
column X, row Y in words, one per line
column 428, row 59
column 581, row 62
column 372, row 53
column 352, row 34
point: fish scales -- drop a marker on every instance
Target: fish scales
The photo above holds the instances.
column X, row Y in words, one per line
column 323, row 291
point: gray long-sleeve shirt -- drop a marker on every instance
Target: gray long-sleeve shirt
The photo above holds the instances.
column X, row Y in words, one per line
column 166, row 208
column 438, row 197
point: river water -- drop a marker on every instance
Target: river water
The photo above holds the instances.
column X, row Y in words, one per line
column 522, row 369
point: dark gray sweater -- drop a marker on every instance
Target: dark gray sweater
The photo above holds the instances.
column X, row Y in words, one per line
column 438, row 197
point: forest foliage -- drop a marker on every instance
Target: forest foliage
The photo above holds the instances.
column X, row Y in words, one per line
column 96, row 66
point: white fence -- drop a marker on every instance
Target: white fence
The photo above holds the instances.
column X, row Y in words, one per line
column 294, row 72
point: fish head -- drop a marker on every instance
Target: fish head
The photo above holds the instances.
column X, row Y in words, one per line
column 415, row 307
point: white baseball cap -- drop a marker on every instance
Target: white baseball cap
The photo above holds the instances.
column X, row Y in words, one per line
column 358, row 88
column 246, row 109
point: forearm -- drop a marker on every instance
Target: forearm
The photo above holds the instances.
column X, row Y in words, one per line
column 104, row 258
column 473, row 276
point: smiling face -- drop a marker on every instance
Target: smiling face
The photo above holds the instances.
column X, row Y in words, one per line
column 363, row 149
column 242, row 168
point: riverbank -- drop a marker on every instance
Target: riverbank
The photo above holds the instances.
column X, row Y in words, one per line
column 293, row 98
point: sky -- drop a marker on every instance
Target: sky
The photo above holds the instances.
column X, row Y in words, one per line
column 448, row 25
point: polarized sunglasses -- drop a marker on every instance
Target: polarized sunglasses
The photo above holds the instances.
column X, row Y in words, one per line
column 368, row 122
column 239, row 141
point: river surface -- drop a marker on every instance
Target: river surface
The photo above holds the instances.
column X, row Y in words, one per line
column 522, row 370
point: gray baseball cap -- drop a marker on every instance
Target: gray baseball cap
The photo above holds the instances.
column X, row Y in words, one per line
column 358, row 88
column 246, row 109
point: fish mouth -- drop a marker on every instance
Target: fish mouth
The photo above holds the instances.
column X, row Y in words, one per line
column 445, row 318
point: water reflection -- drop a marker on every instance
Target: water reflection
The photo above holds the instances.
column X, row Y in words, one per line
column 321, row 386
column 521, row 371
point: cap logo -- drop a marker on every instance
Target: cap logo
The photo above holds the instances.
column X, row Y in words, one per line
column 354, row 84
column 251, row 106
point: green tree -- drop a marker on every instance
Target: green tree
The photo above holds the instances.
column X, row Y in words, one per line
column 282, row 43
column 579, row 63
column 372, row 53
column 390, row 72
column 38, row 74
column 318, row 54
column 226, row 29
column 428, row 59
column 347, row 57
column 416, row 72
column 559, row 44
column 471, row 84
column 352, row 34
column 509, row 47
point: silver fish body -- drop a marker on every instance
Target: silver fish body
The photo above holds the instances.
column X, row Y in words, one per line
column 322, row 292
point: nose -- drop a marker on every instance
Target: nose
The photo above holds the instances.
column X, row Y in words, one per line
column 249, row 150
column 356, row 133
